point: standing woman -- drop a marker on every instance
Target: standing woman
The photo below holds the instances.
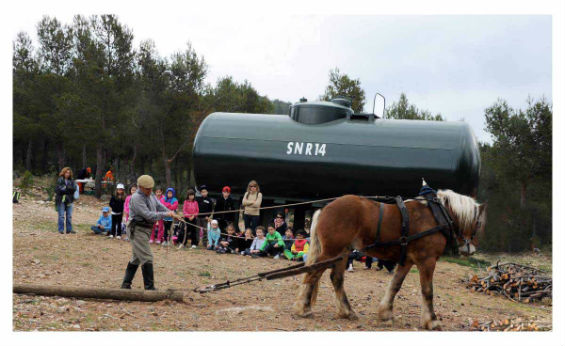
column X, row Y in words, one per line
column 117, row 204
column 65, row 189
column 252, row 202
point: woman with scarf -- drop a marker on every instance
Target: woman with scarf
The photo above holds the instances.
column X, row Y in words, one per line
column 65, row 190
column 252, row 204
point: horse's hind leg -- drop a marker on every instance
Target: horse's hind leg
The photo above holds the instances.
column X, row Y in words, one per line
column 343, row 306
column 429, row 318
column 307, row 298
column 384, row 311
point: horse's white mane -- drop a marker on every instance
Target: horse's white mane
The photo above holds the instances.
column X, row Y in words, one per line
column 465, row 208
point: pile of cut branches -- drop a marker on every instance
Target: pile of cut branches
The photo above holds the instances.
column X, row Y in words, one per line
column 508, row 325
column 516, row 282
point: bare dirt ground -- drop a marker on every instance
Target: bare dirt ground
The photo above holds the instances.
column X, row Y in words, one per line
column 42, row 256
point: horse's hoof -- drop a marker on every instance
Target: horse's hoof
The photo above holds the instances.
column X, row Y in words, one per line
column 300, row 311
column 432, row 325
column 384, row 314
column 350, row 316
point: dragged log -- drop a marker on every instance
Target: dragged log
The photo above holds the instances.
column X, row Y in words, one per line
column 99, row 293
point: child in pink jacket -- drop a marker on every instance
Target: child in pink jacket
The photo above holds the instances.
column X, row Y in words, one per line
column 132, row 190
column 190, row 211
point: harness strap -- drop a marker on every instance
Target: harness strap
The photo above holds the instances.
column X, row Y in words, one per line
column 381, row 212
column 442, row 217
column 436, row 229
column 405, row 228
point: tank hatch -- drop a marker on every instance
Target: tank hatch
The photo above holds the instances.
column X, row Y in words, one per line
column 321, row 111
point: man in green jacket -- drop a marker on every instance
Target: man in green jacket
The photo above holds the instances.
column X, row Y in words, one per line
column 274, row 243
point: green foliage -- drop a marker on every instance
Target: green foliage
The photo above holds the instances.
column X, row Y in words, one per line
column 522, row 141
column 403, row 110
column 27, row 181
column 231, row 96
column 341, row 85
column 51, row 189
column 516, row 177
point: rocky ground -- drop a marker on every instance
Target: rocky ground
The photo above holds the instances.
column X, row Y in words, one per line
column 42, row 256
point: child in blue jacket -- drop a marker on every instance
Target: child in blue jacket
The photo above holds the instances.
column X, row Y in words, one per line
column 104, row 223
column 213, row 235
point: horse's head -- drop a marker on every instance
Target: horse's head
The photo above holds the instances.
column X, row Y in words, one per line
column 469, row 218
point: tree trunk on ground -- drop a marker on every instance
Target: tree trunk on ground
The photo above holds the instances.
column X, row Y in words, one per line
column 84, row 163
column 99, row 293
column 28, row 154
column 99, row 172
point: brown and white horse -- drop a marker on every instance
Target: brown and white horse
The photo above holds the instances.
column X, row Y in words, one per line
column 351, row 222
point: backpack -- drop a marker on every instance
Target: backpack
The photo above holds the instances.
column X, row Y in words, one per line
column 76, row 195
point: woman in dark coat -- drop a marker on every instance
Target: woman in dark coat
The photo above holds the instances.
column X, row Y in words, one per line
column 64, row 192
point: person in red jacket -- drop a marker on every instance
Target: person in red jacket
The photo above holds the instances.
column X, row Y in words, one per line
column 190, row 211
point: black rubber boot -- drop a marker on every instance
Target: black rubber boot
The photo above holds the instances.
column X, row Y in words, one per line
column 130, row 273
column 147, row 271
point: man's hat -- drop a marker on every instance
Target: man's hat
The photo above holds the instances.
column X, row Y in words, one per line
column 146, row 181
column 226, row 189
column 203, row 187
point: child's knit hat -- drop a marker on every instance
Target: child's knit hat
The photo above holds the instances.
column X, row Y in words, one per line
column 105, row 209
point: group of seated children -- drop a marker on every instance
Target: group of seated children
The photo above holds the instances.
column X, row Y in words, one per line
column 243, row 243
column 271, row 243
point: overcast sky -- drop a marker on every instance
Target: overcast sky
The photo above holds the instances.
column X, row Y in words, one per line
column 453, row 65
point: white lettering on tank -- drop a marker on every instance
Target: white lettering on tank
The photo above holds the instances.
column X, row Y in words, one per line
column 307, row 149
column 322, row 150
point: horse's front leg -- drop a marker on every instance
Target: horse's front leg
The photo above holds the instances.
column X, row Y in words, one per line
column 384, row 310
column 429, row 318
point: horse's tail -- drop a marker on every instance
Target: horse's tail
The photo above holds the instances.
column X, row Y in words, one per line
column 314, row 253
column 315, row 246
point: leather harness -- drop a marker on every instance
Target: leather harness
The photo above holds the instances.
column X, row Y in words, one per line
column 442, row 217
